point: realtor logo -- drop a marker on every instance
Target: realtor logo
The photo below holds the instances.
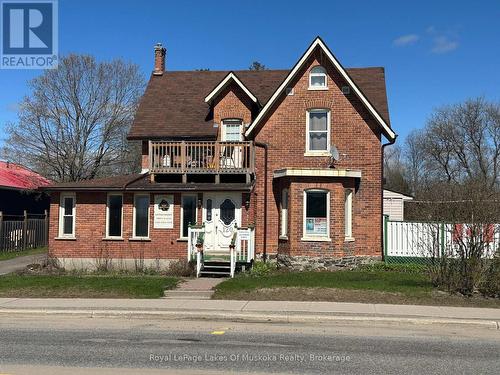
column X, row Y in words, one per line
column 29, row 34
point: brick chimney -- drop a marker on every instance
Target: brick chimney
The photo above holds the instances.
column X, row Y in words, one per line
column 159, row 59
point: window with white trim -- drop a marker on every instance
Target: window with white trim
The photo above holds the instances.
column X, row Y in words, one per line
column 231, row 130
column 348, row 213
column 67, row 217
column 188, row 213
column 318, row 131
column 284, row 214
column 317, row 78
column 141, row 216
column 316, row 214
column 114, row 215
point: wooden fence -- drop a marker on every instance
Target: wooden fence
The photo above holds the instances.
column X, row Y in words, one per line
column 20, row 232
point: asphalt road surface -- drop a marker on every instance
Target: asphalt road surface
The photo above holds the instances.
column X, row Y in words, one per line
column 62, row 345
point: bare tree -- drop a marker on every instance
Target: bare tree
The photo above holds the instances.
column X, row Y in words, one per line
column 73, row 125
column 462, row 142
column 394, row 170
column 414, row 161
column 257, row 66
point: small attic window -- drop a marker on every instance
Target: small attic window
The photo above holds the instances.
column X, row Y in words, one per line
column 317, row 78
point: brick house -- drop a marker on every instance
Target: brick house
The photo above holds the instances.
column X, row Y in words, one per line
column 238, row 165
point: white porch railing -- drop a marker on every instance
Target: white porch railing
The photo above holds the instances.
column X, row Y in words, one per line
column 245, row 244
column 195, row 236
column 241, row 251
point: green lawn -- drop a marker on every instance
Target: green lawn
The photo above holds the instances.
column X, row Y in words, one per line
column 85, row 286
column 366, row 286
column 384, row 281
column 14, row 254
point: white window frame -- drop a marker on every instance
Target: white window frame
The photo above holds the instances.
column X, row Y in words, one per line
column 348, row 215
column 182, row 212
column 318, row 74
column 61, row 233
column 313, row 237
column 134, row 216
column 328, row 131
column 230, row 120
column 107, row 217
column 284, row 213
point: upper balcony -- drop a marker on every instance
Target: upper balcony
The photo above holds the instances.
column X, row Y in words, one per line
column 201, row 157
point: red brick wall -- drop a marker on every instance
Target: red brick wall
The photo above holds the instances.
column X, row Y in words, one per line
column 91, row 229
column 355, row 134
column 232, row 103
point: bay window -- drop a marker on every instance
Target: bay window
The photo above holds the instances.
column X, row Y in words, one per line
column 348, row 214
column 284, row 214
column 316, row 215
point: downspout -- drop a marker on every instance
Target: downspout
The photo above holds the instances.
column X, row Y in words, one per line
column 391, row 142
column 264, row 240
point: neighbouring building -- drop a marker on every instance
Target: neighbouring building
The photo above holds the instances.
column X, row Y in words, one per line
column 271, row 163
column 19, row 190
column 394, row 204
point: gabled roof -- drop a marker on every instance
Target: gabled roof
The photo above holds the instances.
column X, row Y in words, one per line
column 226, row 81
column 15, row 176
column 318, row 43
column 174, row 107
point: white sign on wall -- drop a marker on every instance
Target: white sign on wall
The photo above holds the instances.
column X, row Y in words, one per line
column 164, row 212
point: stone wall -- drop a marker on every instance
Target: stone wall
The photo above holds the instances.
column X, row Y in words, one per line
column 306, row 263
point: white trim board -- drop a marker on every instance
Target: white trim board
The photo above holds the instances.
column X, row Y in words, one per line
column 388, row 132
column 290, row 172
column 224, row 82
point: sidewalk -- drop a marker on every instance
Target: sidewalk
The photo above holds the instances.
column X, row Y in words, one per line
column 251, row 311
column 15, row 264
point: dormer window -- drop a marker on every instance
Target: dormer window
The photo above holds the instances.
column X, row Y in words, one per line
column 317, row 78
column 232, row 130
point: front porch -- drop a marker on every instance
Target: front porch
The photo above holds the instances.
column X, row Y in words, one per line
column 221, row 262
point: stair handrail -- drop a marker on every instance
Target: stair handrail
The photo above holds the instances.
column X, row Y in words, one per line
column 232, row 250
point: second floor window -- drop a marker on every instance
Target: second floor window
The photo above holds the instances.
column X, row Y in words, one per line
column 231, row 130
column 318, row 130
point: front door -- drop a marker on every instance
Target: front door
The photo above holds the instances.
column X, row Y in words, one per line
column 221, row 213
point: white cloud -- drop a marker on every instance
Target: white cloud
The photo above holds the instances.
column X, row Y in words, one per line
column 443, row 44
column 405, row 40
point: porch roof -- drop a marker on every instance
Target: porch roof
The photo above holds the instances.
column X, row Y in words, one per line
column 142, row 182
column 306, row 172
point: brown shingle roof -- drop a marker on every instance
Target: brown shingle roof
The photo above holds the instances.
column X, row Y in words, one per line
column 142, row 182
column 173, row 104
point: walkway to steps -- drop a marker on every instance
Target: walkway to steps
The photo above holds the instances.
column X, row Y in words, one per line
column 200, row 288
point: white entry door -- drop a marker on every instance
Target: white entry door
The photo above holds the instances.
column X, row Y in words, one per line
column 221, row 215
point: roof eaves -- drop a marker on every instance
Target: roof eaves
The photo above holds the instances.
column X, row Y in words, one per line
column 230, row 76
column 388, row 132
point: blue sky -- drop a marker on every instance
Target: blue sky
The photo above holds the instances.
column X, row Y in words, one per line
column 434, row 52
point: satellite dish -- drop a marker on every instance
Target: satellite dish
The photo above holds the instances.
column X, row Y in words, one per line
column 334, row 153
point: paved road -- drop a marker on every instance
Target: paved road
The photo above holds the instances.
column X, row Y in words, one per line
column 15, row 264
column 107, row 346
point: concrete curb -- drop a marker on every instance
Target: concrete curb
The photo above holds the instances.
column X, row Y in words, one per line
column 255, row 317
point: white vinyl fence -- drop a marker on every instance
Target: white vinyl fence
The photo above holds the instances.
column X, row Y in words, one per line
column 418, row 241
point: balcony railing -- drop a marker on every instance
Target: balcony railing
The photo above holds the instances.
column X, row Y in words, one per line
column 201, row 157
